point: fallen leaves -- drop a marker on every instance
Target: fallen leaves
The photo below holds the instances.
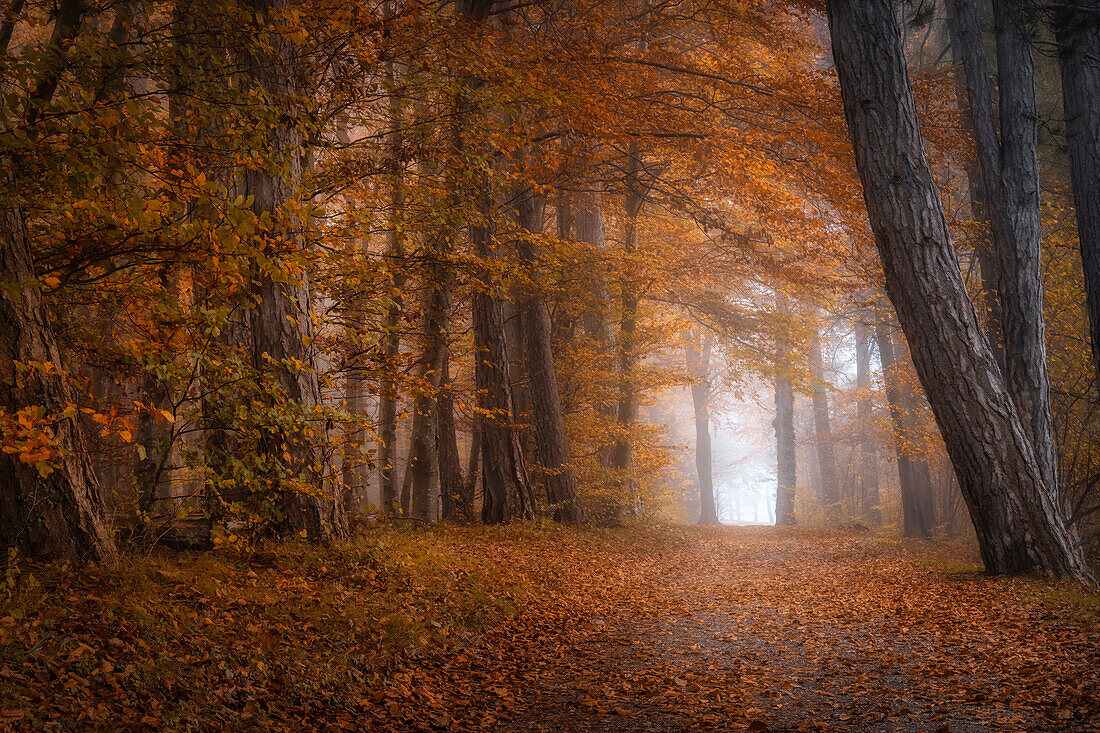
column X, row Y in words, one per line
column 526, row 628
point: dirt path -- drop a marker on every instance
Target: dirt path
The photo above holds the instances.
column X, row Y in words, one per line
column 765, row 629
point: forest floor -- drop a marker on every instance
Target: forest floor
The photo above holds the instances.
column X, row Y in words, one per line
column 545, row 629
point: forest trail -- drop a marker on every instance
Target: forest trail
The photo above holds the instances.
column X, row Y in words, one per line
column 538, row 628
column 793, row 630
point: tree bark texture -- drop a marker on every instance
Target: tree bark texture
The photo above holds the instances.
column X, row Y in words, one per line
column 1077, row 29
column 1010, row 174
column 552, row 442
column 1019, row 524
column 785, row 448
column 282, row 319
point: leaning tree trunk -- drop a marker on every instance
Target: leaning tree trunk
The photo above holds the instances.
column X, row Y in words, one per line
column 868, row 456
column 552, row 443
column 1077, row 29
column 1019, row 523
column 698, row 363
column 823, row 438
column 282, row 322
column 59, row 514
column 1010, row 174
column 917, row 504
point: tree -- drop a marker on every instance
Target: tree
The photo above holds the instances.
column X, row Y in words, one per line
column 917, row 506
column 1009, row 164
column 823, row 436
column 1019, row 524
column 868, row 460
column 50, row 501
column 697, row 355
column 1077, row 29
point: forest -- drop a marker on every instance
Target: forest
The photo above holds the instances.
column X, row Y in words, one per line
column 641, row 365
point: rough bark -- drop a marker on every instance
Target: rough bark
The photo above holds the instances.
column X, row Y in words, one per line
column 917, row 504
column 1077, row 29
column 1019, row 524
column 868, row 456
column 697, row 356
column 552, row 442
column 282, row 324
column 59, row 515
column 506, row 491
column 1010, row 175
column 824, row 446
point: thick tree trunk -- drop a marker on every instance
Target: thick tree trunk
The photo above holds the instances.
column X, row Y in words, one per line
column 59, row 514
column 1077, row 29
column 823, row 438
column 506, row 491
column 917, row 505
column 1020, row 525
column 552, row 443
column 697, row 357
column 282, row 323
column 868, row 456
column 1010, row 174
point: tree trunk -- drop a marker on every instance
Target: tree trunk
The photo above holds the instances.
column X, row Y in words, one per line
column 590, row 230
column 697, row 357
column 1077, row 28
column 623, row 455
column 917, row 506
column 282, row 322
column 1019, row 524
column 420, row 469
column 1010, row 174
column 551, row 440
column 59, row 514
column 395, row 255
column 974, row 83
column 786, row 477
column 823, row 438
column 453, row 500
column 506, row 492
column 868, row 456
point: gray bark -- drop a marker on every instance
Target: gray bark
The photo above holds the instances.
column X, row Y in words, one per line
column 1077, row 29
column 1019, row 524
column 823, row 437
column 1010, row 174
